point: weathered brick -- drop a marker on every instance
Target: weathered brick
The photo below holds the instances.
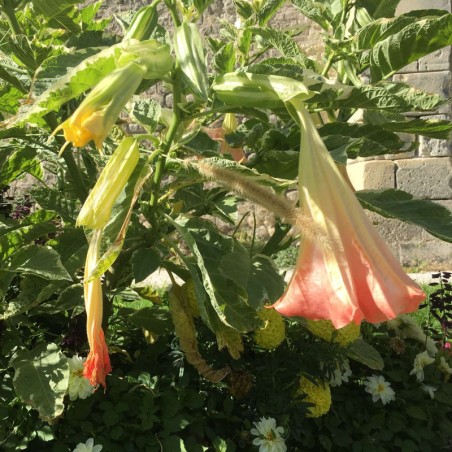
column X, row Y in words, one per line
column 372, row 174
column 425, row 177
column 431, row 147
column 441, row 60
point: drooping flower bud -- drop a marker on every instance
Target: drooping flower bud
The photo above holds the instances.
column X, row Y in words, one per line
column 96, row 210
column 98, row 112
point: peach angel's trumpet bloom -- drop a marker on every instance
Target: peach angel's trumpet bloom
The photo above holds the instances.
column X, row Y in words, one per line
column 97, row 365
column 355, row 277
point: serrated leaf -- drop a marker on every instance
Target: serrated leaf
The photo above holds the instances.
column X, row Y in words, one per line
column 314, row 10
column 434, row 218
column 284, row 43
column 53, row 199
column 52, row 8
column 411, row 43
column 354, row 140
column 224, row 58
column 364, row 353
column 71, row 297
column 40, row 261
column 147, row 113
column 432, row 128
column 41, row 379
column 267, row 10
column 20, row 162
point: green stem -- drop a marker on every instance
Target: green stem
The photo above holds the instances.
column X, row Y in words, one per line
column 328, row 64
column 8, row 9
column 173, row 11
column 74, row 171
column 175, row 122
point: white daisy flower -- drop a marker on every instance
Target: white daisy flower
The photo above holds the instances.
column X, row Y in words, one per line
column 341, row 374
column 88, row 446
column 380, row 389
column 79, row 386
column 429, row 390
column 268, row 436
column 422, row 359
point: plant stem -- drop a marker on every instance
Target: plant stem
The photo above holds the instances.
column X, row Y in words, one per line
column 173, row 11
column 175, row 122
column 328, row 64
column 8, row 9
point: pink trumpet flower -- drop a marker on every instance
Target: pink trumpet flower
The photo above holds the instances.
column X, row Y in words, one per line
column 354, row 277
column 97, row 365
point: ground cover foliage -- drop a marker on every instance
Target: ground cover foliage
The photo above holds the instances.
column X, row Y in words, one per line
column 195, row 367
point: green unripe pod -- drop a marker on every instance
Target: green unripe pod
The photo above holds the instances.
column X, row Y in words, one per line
column 258, row 90
column 96, row 210
column 143, row 24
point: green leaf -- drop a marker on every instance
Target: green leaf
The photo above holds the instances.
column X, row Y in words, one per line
column 267, row 9
column 432, row 128
column 36, row 225
column 416, row 412
column 265, row 284
column 41, row 379
column 153, row 319
column 379, row 8
column 284, row 43
column 354, row 140
column 411, row 43
column 314, row 10
column 434, row 218
column 40, row 261
column 9, row 99
column 147, row 113
column 364, row 353
column 228, row 299
column 60, row 202
column 144, row 263
column 19, row 163
column 71, row 297
column 52, row 8
column 236, row 264
column 67, row 76
column 224, row 59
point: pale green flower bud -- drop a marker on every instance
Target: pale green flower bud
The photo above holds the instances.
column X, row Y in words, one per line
column 96, row 210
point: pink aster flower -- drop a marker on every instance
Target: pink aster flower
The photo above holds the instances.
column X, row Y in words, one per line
column 355, row 277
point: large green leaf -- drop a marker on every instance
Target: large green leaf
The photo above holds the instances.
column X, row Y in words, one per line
column 20, row 162
column 314, row 10
column 365, row 354
column 41, row 379
column 285, row 44
column 434, row 218
column 267, row 9
column 228, row 299
column 53, row 8
column 379, row 8
column 40, row 261
column 414, row 41
column 153, row 319
column 354, row 140
column 67, row 76
column 37, row 225
column 432, row 128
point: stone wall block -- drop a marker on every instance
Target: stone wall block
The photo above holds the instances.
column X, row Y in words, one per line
column 425, row 178
column 375, row 174
column 430, row 147
column 436, row 61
